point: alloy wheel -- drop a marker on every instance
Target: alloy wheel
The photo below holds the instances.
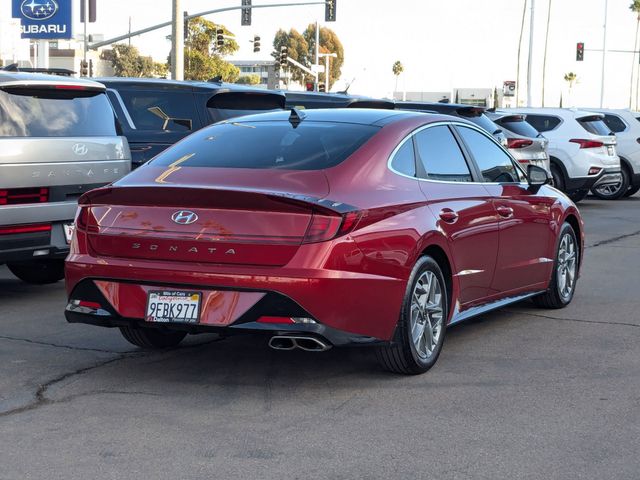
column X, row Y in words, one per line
column 426, row 314
column 567, row 263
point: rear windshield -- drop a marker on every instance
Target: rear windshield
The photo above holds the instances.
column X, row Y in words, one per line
column 267, row 145
column 224, row 106
column 595, row 125
column 518, row 126
column 55, row 113
column 484, row 122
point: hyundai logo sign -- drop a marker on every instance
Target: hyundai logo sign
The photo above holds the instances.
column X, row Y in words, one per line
column 39, row 9
column 80, row 149
column 184, row 217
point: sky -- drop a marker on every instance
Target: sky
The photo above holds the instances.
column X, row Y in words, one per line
column 443, row 44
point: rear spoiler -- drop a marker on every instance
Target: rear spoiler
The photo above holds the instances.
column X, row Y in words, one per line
column 64, row 72
column 227, row 99
column 470, row 111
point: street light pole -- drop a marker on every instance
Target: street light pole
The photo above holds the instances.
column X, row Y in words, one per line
column 604, row 51
column 530, row 60
column 177, row 42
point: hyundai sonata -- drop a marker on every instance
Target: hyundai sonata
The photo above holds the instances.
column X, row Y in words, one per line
column 323, row 228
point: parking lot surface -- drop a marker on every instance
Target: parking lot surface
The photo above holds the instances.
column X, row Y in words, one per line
column 517, row 393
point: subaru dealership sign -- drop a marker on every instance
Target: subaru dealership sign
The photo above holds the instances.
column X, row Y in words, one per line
column 43, row 19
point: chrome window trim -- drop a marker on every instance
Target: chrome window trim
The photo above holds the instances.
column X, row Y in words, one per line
column 124, row 109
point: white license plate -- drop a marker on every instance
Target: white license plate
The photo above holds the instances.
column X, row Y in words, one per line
column 610, row 150
column 68, row 231
column 173, row 306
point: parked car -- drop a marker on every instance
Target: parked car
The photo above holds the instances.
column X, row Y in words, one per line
column 524, row 142
column 156, row 113
column 334, row 100
column 625, row 124
column 582, row 150
column 330, row 227
column 59, row 139
column 469, row 112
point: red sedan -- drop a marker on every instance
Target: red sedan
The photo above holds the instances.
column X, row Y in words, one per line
column 323, row 228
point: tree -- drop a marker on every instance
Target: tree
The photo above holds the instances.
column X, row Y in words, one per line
column 571, row 78
column 203, row 57
column 524, row 13
column 249, row 80
column 127, row 62
column 329, row 43
column 297, row 49
column 397, row 69
column 635, row 8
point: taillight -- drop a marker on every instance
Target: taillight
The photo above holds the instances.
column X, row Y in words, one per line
column 325, row 227
column 518, row 142
column 584, row 143
column 25, row 229
column 82, row 216
column 21, row 196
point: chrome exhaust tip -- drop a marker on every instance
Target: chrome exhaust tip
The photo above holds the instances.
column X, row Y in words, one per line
column 282, row 343
column 308, row 344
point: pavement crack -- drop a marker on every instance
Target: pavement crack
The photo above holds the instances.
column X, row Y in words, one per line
column 57, row 345
column 580, row 320
column 614, row 239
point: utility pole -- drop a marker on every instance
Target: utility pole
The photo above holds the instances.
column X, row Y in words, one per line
column 86, row 20
column 530, row 60
column 315, row 84
column 177, row 41
column 604, row 51
column 326, row 69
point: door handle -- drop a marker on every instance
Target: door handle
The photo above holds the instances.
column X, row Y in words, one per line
column 505, row 212
column 140, row 149
column 448, row 215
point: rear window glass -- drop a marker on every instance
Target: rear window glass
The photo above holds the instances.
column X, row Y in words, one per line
column 160, row 111
column 484, row 122
column 615, row 123
column 594, row 125
column 55, row 113
column 519, row 127
column 224, row 106
column 543, row 123
column 269, row 145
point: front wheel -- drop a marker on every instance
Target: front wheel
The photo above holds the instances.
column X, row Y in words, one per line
column 150, row 338
column 38, row 272
column 578, row 195
column 613, row 191
column 421, row 328
column 565, row 271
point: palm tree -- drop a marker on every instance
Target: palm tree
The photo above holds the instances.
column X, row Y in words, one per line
column 570, row 78
column 398, row 69
column 524, row 13
column 546, row 43
column 635, row 8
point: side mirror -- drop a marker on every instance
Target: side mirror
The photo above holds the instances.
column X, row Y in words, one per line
column 537, row 176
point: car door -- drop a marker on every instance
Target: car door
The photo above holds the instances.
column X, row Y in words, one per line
column 463, row 208
column 525, row 249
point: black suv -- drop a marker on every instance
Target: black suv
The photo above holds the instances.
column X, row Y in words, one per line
column 334, row 100
column 156, row 113
column 469, row 112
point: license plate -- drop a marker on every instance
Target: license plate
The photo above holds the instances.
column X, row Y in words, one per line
column 68, row 231
column 173, row 306
column 610, row 151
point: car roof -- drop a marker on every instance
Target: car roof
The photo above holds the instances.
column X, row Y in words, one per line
column 562, row 112
column 362, row 116
column 191, row 85
column 27, row 78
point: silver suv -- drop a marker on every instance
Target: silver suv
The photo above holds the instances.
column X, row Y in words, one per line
column 58, row 139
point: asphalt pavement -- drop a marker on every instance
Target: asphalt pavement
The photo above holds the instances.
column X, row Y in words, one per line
column 520, row 393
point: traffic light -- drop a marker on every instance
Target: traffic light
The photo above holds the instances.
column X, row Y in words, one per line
column 321, row 87
column 309, row 86
column 580, row 52
column 84, row 68
column 330, row 11
column 220, row 37
column 284, row 55
column 245, row 13
column 256, row 44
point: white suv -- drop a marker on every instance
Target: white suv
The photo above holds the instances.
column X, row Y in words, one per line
column 626, row 125
column 582, row 149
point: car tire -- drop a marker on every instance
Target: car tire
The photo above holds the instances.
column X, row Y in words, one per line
column 557, row 178
column 38, row 272
column 424, row 309
column 613, row 192
column 151, row 338
column 632, row 191
column 578, row 195
column 560, row 294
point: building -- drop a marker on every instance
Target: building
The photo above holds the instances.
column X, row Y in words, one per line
column 266, row 70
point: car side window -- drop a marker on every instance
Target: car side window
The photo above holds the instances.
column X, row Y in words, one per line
column 543, row 123
column 615, row 123
column 494, row 163
column 160, row 111
column 404, row 161
column 440, row 156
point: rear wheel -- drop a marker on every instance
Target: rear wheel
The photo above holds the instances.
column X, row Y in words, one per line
column 565, row 271
column 420, row 331
column 614, row 191
column 632, row 191
column 38, row 272
column 578, row 195
column 150, row 338
column 557, row 177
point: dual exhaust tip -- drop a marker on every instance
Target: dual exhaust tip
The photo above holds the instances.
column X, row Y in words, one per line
column 309, row 344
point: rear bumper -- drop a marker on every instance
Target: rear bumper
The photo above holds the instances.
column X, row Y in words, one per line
column 606, row 176
column 610, row 176
column 24, row 247
column 346, row 307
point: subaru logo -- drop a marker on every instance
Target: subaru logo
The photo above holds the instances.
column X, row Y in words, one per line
column 184, row 217
column 38, row 9
column 80, row 149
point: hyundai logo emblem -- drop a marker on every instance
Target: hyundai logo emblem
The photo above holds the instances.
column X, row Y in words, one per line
column 80, row 149
column 39, row 9
column 184, row 217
